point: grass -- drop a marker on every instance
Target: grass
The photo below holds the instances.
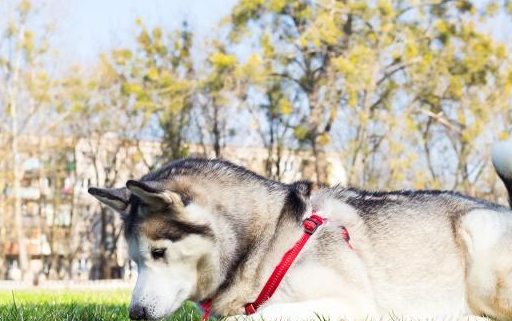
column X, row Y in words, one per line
column 75, row 306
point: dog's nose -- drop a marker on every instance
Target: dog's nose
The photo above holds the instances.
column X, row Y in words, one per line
column 137, row 312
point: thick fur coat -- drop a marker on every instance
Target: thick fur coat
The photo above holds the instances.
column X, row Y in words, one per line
column 207, row 229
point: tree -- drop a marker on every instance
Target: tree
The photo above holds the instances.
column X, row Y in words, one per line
column 106, row 125
column 215, row 90
column 159, row 75
column 272, row 106
column 25, row 92
column 371, row 71
column 304, row 37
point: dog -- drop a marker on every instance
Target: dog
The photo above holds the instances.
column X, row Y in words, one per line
column 203, row 229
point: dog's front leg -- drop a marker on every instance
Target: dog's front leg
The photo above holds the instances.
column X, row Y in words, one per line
column 328, row 309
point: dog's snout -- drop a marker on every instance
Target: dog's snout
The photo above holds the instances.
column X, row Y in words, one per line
column 138, row 312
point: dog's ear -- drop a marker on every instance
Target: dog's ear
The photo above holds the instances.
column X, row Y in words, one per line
column 297, row 200
column 153, row 195
column 304, row 188
column 116, row 198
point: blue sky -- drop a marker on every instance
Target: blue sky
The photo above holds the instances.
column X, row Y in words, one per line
column 84, row 28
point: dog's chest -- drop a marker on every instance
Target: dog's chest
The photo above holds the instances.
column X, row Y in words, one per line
column 310, row 281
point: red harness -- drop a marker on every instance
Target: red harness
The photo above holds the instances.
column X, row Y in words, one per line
column 310, row 226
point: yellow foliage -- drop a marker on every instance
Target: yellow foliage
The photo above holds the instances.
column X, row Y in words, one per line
column 285, row 107
column 396, row 148
column 352, row 102
column 467, row 136
column 157, row 33
column 222, row 60
column 134, row 88
column 121, row 56
column 503, row 135
column 276, row 5
column 28, row 41
column 492, row 8
column 361, row 54
column 324, row 139
column 144, row 38
column 300, row 132
column 153, row 74
column 305, row 13
column 343, row 65
column 268, row 48
column 410, row 51
column 420, row 180
column 245, row 7
column 252, row 69
column 509, row 76
column 385, row 7
column 441, row 26
column 25, row 6
column 358, row 6
column 410, row 124
column 303, row 40
column 387, row 27
column 324, row 30
column 254, row 61
column 363, row 118
column 455, row 88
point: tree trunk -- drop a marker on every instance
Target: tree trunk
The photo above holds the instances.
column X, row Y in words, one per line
column 216, row 132
column 3, row 208
column 320, row 170
column 16, row 159
column 16, row 189
column 102, row 269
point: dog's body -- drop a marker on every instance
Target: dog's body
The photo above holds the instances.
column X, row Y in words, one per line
column 207, row 229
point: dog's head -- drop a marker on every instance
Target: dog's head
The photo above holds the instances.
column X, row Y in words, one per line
column 172, row 242
column 185, row 223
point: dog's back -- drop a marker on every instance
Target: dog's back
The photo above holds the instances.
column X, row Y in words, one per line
column 430, row 251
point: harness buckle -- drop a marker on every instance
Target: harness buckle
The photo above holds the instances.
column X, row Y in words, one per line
column 310, row 225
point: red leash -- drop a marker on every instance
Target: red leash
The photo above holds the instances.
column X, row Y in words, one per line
column 207, row 309
column 310, row 226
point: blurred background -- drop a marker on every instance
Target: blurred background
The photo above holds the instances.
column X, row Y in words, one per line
column 385, row 94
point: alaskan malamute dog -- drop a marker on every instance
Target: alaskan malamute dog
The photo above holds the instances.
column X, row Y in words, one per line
column 210, row 230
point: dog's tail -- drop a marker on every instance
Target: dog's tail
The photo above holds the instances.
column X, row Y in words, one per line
column 502, row 161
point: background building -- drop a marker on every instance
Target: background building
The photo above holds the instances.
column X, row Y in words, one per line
column 68, row 234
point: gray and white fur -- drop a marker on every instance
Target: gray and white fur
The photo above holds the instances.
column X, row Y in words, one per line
column 207, row 229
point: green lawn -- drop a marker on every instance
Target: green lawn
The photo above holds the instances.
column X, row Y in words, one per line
column 74, row 306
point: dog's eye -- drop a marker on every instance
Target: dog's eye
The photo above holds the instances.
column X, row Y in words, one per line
column 157, row 253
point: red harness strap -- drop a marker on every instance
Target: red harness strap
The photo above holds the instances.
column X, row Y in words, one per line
column 207, row 309
column 310, row 225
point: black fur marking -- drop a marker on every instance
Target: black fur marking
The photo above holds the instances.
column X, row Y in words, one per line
column 172, row 228
column 113, row 194
column 143, row 186
column 507, row 181
column 241, row 257
column 294, row 205
column 175, row 230
column 370, row 201
column 132, row 220
column 303, row 187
